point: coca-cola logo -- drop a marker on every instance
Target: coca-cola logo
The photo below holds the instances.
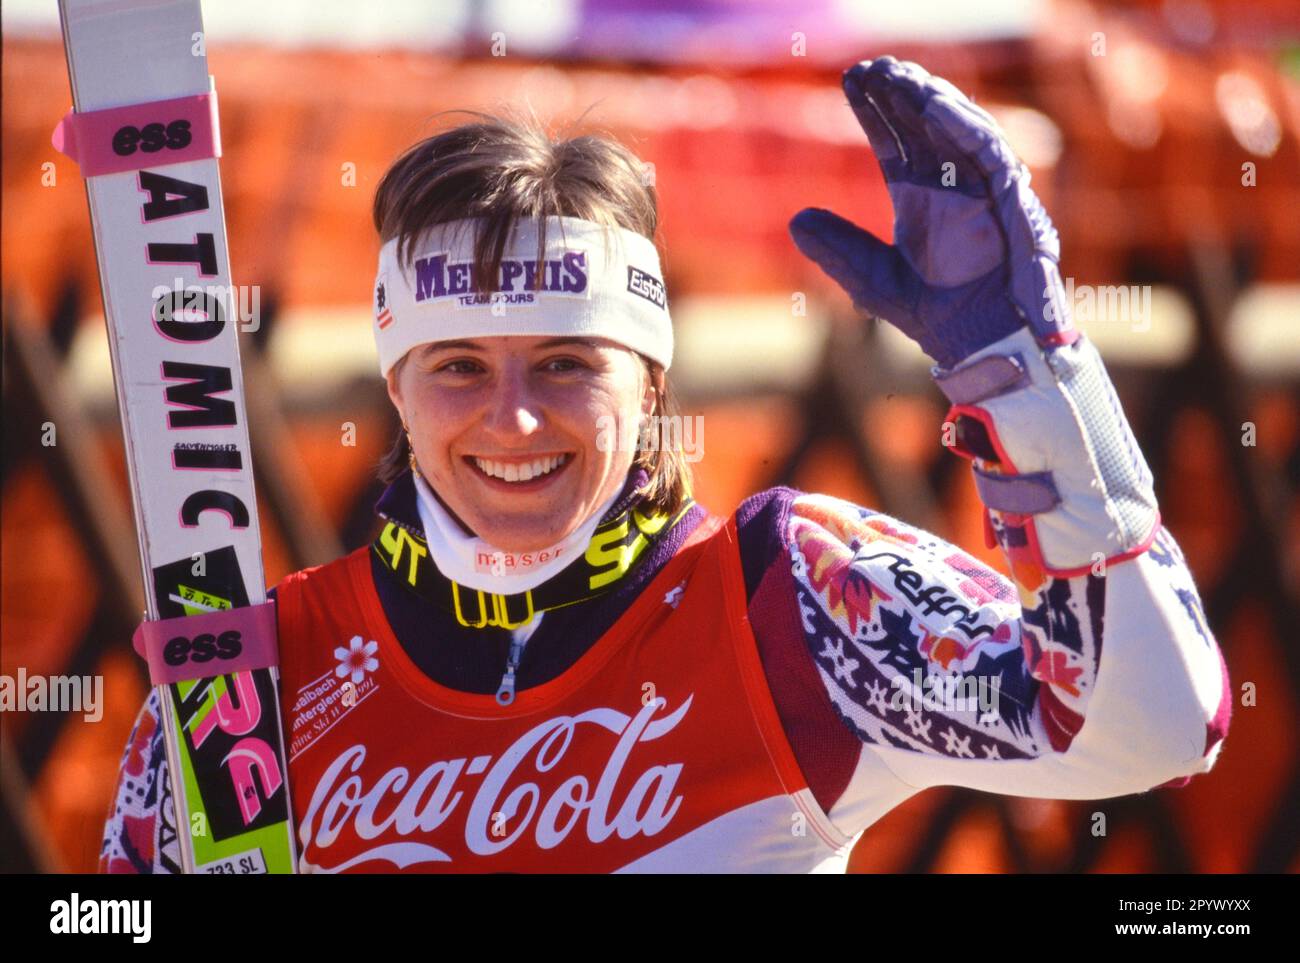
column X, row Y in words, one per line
column 508, row 804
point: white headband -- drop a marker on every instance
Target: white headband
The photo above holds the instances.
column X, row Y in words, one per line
column 588, row 289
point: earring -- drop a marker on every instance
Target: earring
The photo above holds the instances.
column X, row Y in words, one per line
column 410, row 448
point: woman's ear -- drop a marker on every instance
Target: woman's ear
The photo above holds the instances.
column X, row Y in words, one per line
column 654, row 386
column 395, row 389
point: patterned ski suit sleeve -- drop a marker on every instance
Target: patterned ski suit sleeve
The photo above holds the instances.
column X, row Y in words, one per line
column 1090, row 673
column 140, row 835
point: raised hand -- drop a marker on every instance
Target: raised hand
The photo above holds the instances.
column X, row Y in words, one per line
column 975, row 255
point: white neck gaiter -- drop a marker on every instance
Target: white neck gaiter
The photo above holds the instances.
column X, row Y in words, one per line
column 474, row 563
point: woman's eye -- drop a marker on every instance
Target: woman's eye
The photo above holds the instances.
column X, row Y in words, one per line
column 564, row 364
column 460, row 367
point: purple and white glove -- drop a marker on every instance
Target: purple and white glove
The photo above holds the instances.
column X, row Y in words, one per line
column 975, row 254
column 972, row 277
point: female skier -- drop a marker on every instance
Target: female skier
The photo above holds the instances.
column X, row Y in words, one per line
column 553, row 659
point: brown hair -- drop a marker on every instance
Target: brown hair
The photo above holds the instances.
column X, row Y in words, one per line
column 503, row 167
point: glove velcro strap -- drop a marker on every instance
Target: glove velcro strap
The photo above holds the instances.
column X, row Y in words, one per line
column 1029, row 494
column 988, row 377
column 213, row 643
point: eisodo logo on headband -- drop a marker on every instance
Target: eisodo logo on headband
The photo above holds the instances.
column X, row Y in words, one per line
column 517, row 281
column 646, row 286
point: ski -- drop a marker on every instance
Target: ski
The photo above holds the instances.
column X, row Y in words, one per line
column 144, row 133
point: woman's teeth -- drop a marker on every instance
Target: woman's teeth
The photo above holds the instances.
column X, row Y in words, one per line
column 527, row 471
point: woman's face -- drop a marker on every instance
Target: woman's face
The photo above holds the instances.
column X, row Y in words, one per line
column 505, row 430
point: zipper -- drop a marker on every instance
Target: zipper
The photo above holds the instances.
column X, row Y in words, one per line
column 506, row 691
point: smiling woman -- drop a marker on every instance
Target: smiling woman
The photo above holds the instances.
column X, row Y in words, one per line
column 499, row 170
column 551, row 658
column 503, row 430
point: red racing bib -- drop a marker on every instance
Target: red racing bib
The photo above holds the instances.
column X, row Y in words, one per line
column 659, row 750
